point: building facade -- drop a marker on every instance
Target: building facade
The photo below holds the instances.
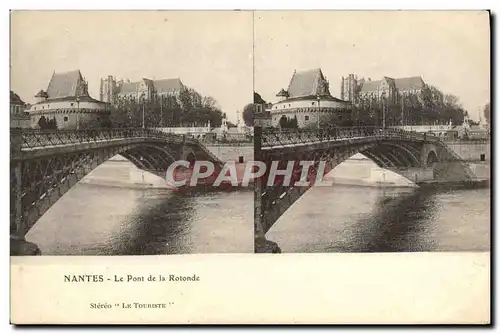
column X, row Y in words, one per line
column 308, row 99
column 391, row 89
column 112, row 90
column 262, row 115
column 19, row 118
column 66, row 104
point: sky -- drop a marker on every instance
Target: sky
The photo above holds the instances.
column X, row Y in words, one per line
column 209, row 51
column 448, row 49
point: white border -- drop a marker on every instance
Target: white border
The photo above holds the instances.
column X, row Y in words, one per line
column 189, row 4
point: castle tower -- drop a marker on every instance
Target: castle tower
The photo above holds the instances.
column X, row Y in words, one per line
column 348, row 88
column 41, row 96
column 108, row 89
column 101, row 90
column 342, row 93
column 282, row 95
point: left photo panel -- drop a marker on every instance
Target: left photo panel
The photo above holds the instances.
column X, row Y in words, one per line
column 128, row 134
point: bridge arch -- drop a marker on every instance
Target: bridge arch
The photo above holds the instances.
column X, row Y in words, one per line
column 395, row 150
column 46, row 179
column 431, row 159
column 402, row 151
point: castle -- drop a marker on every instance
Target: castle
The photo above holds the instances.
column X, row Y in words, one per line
column 111, row 90
column 67, row 103
column 308, row 99
column 392, row 89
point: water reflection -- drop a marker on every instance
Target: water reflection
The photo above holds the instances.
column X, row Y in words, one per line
column 398, row 223
column 364, row 219
column 102, row 220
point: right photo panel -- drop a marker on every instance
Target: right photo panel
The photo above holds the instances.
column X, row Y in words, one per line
column 372, row 129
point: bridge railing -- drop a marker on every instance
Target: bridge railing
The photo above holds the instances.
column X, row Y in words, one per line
column 44, row 138
column 282, row 137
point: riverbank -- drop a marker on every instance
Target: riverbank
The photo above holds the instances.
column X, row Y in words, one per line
column 370, row 183
column 449, row 185
column 121, row 173
column 121, row 184
column 359, row 171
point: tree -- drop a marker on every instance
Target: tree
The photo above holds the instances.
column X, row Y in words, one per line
column 248, row 114
column 42, row 123
column 53, row 123
column 188, row 109
column 283, row 122
column 486, row 113
column 47, row 124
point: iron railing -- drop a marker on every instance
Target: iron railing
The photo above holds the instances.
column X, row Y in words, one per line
column 31, row 139
column 281, row 137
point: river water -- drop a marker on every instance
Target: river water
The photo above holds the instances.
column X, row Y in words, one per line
column 106, row 214
column 344, row 218
column 111, row 212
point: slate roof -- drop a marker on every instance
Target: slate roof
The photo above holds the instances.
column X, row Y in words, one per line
column 15, row 99
column 282, row 93
column 65, row 84
column 399, row 83
column 161, row 86
column 130, row 87
column 307, row 83
column 409, row 83
column 41, row 93
column 370, row 86
column 168, row 85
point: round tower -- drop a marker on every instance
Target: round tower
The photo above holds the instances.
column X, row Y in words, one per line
column 41, row 96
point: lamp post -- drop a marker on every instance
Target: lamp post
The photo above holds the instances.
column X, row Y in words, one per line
column 318, row 98
column 383, row 110
column 402, row 111
column 161, row 111
column 78, row 112
column 143, row 104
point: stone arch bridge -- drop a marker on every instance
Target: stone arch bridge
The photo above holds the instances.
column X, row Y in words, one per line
column 44, row 165
column 392, row 149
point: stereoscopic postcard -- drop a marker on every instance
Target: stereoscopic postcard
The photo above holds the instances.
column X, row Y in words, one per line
column 250, row 167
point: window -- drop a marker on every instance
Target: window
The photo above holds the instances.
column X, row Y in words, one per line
column 312, row 103
column 71, row 104
column 65, row 118
column 43, row 107
column 483, row 157
column 306, row 118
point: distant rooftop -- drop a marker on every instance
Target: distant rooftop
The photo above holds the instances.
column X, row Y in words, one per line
column 161, row 86
column 67, row 84
column 306, row 83
column 399, row 83
column 15, row 99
